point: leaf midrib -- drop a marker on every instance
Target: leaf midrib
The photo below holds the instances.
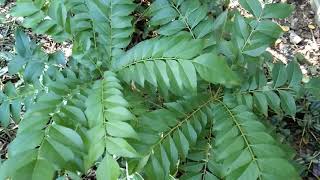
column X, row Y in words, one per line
column 151, row 59
column 184, row 18
column 244, row 136
column 182, row 122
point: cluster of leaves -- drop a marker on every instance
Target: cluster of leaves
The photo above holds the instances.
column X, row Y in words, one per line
column 188, row 103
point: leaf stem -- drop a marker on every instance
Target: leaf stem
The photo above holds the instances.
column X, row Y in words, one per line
column 183, row 121
column 185, row 20
column 149, row 59
column 243, row 135
column 251, row 32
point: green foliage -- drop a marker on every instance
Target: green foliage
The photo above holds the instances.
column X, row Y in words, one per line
column 35, row 14
column 31, row 60
column 174, row 16
column 186, row 99
column 173, row 133
column 313, row 87
column 11, row 100
column 277, row 94
column 173, row 66
column 244, row 149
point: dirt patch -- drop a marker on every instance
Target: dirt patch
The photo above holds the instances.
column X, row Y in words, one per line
column 302, row 39
column 6, row 135
column 8, row 25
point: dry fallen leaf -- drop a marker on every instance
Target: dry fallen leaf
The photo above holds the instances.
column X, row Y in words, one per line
column 285, row 28
column 278, row 41
column 310, row 26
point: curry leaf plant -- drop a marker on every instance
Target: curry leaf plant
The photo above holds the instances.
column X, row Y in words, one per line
column 155, row 90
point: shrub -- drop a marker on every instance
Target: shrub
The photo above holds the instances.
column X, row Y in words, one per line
column 175, row 89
